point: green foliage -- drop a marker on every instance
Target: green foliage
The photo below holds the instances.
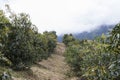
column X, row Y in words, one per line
column 67, row 38
column 115, row 39
column 4, row 29
column 45, row 44
column 98, row 59
column 73, row 59
column 20, row 43
column 114, row 48
column 51, row 37
column 86, row 58
column 19, row 47
column 4, row 61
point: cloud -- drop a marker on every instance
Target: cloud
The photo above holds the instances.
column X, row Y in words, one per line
column 66, row 16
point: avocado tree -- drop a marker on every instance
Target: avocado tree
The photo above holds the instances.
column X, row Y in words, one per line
column 96, row 59
column 67, row 38
column 114, row 48
column 4, row 30
column 20, row 49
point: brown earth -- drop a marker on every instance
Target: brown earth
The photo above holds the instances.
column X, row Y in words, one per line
column 54, row 68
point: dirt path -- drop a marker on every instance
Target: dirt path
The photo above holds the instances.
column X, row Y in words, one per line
column 54, row 68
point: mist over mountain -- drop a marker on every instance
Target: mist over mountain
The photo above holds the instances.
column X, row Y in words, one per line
column 103, row 29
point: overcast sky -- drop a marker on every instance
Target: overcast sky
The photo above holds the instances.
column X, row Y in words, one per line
column 65, row 16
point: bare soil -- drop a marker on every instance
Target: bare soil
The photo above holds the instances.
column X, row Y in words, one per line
column 54, row 68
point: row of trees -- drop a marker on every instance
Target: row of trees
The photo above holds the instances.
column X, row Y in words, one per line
column 20, row 43
column 95, row 59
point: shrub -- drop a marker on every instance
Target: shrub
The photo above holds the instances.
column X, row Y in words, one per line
column 20, row 42
column 95, row 60
column 68, row 38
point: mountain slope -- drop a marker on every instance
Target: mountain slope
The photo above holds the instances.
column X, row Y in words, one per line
column 54, row 68
column 92, row 34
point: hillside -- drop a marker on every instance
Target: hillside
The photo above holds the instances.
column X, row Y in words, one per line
column 54, row 68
